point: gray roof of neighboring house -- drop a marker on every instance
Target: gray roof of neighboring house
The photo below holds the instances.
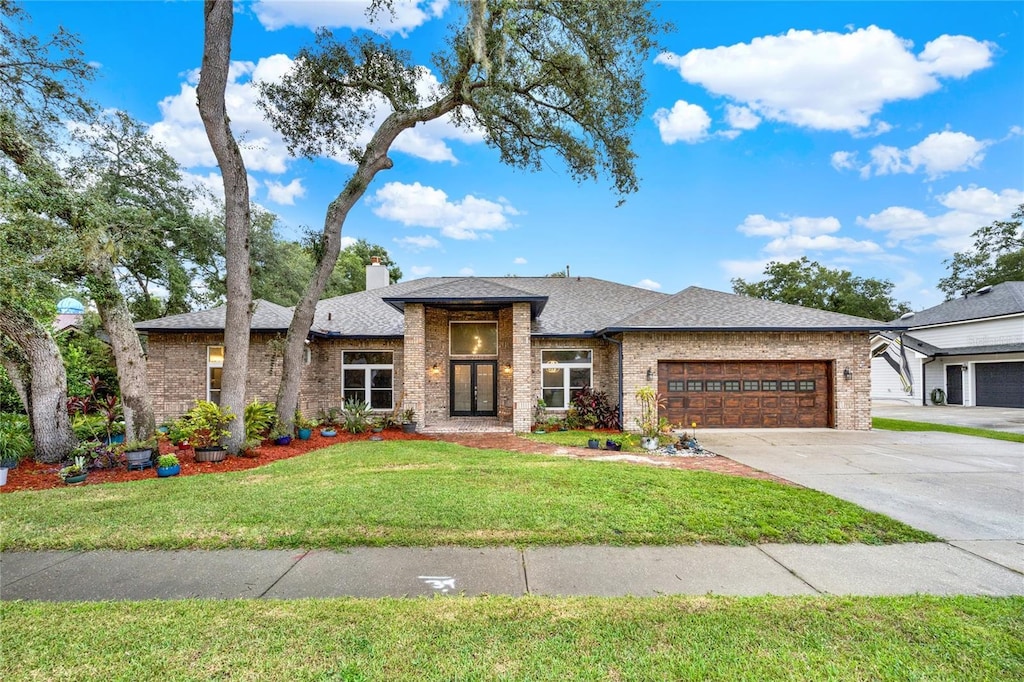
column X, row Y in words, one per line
column 564, row 306
column 695, row 308
column 982, row 350
column 266, row 316
column 913, row 343
column 1006, row 298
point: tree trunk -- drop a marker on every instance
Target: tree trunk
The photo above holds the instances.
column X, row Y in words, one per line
column 139, row 418
column 219, row 22
column 14, row 363
column 51, row 427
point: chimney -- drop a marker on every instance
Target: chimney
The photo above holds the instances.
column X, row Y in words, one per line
column 377, row 276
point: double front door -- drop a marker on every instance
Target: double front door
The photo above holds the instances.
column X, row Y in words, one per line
column 474, row 388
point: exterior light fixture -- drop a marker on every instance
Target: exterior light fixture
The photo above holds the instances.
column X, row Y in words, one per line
column 506, row 369
column 847, row 374
column 435, row 370
column 650, row 374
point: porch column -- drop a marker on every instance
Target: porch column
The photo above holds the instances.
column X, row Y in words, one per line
column 414, row 374
column 524, row 389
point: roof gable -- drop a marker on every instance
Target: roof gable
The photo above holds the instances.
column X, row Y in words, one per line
column 266, row 316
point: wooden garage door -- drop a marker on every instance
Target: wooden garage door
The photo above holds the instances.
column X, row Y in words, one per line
column 746, row 394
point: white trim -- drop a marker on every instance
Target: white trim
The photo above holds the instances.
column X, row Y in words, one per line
column 951, row 323
column 367, row 377
column 567, row 366
column 212, row 365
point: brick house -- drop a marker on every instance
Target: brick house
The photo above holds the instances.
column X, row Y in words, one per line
column 486, row 348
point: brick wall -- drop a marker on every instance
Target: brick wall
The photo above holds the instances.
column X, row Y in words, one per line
column 851, row 399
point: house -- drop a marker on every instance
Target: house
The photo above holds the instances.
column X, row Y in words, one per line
column 487, row 348
column 968, row 351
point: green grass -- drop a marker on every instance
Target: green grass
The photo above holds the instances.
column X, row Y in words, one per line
column 576, row 438
column 528, row 638
column 901, row 425
column 423, row 493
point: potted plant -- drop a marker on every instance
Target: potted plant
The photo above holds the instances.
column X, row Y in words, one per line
column 167, row 465
column 204, row 427
column 138, row 453
column 281, row 435
column 593, row 443
column 74, row 473
column 329, row 432
column 409, row 420
column 618, row 443
column 304, row 427
column 648, row 422
column 15, row 440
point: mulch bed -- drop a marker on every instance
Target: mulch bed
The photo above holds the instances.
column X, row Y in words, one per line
column 30, row 475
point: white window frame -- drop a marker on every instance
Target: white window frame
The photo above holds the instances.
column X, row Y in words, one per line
column 566, row 387
column 452, row 353
column 368, row 377
column 212, row 365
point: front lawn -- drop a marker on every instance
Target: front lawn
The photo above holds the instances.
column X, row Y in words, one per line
column 525, row 638
column 426, row 493
column 903, row 425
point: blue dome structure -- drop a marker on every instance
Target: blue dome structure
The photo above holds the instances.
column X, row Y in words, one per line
column 70, row 306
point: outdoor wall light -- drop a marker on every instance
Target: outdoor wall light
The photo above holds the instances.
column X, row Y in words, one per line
column 650, row 374
column 847, row 374
column 506, row 369
column 435, row 370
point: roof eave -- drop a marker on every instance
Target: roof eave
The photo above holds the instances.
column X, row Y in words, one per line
column 850, row 328
column 537, row 303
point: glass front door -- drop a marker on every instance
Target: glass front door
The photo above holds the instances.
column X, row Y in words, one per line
column 474, row 388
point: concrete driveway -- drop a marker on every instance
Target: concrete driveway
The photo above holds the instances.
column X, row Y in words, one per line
column 999, row 418
column 968, row 491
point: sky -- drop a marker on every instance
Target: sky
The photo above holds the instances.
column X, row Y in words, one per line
column 874, row 137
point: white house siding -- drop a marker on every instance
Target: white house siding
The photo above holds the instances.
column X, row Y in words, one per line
column 936, row 372
column 886, row 384
column 973, row 333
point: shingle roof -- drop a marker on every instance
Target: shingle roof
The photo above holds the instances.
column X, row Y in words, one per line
column 266, row 316
column 466, row 289
column 695, row 308
column 1006, row 298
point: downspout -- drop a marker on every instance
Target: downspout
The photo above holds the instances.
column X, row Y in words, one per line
column 621, row 406
column 924, row 382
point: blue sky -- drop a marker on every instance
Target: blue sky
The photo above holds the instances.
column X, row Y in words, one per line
column 870, row 136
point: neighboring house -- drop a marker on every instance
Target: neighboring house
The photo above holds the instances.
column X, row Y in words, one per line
column 971, row 348
column 486, row 348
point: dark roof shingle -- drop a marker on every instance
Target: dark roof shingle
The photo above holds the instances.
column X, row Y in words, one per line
column 1006, row 298
column 266, row 316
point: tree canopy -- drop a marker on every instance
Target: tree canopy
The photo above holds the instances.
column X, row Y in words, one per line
column 997, row 256
column 810, row 284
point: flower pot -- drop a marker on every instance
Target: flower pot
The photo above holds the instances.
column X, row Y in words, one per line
column 328, row 433
column 283, row 440
column 138, row 459
column 9, row 463
column 612, row 445
column 305, row 434
column 594, row 444
column 649, row 442
column 78, row 478
column 164, row 472
column 3, row 475
column 115, row 439
column 409, row 427
column 211, row 454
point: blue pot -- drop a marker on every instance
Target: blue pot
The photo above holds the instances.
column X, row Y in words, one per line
column 283, row 440
column 328, row 433
column 305, row 434
column 79, row 478
column 117, row 438
column 164, row 472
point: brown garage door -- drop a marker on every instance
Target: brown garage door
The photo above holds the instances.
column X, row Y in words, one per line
column 746, row 394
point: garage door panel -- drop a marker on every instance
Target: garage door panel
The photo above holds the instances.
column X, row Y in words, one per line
column 999, row 384
column 748, row 394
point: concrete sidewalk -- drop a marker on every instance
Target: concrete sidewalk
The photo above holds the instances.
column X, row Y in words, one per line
column 934, row 568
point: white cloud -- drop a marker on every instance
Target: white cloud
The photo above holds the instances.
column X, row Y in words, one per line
column 421, row 206
column 757, row 225
column 285, row 195
column 741, row 118
column 519, row 261
column 684, row 123
column 746, row 269
column 648, row 284
column 968, row 209
column 793, row 237
column 408, row 14
column 826, row 80
column 209, row 197
column 467, row 272
column 935, row 156
column 421, row 270
column 418, row 243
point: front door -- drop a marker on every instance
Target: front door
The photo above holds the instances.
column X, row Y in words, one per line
column 474, row 388
column 954, row 385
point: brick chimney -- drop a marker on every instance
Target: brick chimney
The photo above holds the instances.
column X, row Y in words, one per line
column 377, row 275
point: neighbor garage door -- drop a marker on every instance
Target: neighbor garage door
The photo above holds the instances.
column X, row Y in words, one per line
column 746, row 394
column 1000, row 384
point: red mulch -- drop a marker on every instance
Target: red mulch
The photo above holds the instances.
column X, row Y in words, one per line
column 30, row 475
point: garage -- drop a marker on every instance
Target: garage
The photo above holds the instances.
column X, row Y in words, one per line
column 747, row 394
column 999, row 384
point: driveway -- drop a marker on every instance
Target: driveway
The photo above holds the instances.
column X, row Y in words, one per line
column 968, row 491
column 999, row 418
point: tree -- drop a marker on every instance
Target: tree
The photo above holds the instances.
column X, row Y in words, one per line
column 806, row 283
column 536, row 77
column 997, row 256
column 218, row 21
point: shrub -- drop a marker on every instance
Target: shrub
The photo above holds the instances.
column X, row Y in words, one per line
column 593, row 407
column 205, row 425
column 15, row 437
column 259, row 419
column 355, row 416
column 164, row 461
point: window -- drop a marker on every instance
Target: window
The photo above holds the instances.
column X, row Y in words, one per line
column 214, row 370
column 474, row 338
column 806, row 385
column 563, row 374
column 750, row 385
column 770, row 385
column 676, row 386
column 714, row 385
column 368, row 376
column 694, row 385
column 787, row 385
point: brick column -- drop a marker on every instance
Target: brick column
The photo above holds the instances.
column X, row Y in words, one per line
column 415, row 362
column 524, row 388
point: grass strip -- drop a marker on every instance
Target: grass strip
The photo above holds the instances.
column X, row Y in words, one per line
column 427, row 493
column 528, row 638
column 902, row 425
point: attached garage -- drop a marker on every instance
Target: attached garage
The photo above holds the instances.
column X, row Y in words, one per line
column 747, row 394
column 999, row 384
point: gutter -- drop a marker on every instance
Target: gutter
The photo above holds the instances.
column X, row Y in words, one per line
column 924, row 376
column 622, row 416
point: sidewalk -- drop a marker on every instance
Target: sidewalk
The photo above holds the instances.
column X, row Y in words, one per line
column 934, row 568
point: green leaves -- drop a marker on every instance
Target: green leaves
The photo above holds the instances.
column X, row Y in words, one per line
column 997, row 256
